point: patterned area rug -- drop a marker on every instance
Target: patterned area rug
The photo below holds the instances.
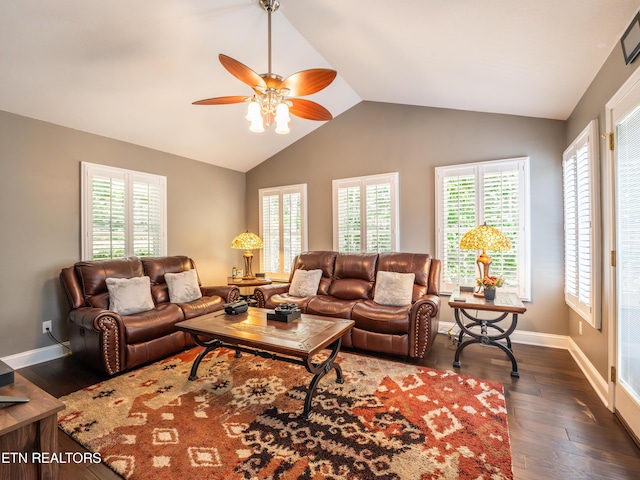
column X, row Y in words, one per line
column 241, row 420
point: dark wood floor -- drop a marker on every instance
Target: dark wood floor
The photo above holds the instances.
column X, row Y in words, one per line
column 559, row 428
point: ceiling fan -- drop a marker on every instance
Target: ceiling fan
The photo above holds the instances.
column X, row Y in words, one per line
column 272, row 94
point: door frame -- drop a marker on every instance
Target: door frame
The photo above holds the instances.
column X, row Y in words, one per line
column 609, row 303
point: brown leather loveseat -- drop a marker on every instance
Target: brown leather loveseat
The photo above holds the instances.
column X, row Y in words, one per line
column 349, row 287
column 114, row 342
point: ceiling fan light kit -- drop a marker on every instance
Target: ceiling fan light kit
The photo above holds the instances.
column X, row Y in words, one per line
column 271, row 100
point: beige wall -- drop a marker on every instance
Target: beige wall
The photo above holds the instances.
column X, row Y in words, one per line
column 377, row 138
column 40, row 218
column 612, row 75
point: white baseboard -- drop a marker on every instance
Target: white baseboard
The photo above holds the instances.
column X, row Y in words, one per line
column 520, row 336
column 598, row 383
column 39, row 355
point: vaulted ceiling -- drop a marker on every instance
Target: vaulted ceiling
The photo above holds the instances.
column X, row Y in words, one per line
column 130, row 70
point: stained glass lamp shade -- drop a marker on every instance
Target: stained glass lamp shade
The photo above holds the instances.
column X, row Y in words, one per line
column 247, row 241
column 484, row 237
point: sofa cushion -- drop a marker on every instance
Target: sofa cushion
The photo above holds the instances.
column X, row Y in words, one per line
column 147, row 326
column 275, row 300
column 202, row 306
column 321, row 260
column 183, row 286
column 305, row 283
column 350, row 289
column 330, row 306
column 393, row 288
column 417, row 263
column 372, row 317
column 354, row 275
column 157, row 267
column 129, row 295
column 93, row 274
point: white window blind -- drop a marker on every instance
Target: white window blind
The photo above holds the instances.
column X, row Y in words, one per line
column 365, row 213
column 123, row 213
column 579, row 175
column 495, row 192
column 283, row 227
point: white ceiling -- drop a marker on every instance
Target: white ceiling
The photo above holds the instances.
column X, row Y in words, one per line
column 129, row 70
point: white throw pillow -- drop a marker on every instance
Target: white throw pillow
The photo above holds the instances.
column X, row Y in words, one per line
column 305, row 283
column 393, row 288
column 129, row 295
column 183, row 286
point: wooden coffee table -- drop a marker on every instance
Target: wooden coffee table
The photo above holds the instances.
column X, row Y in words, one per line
column 295, row 342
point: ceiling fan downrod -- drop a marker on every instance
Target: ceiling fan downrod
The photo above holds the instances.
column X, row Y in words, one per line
column 269, row 6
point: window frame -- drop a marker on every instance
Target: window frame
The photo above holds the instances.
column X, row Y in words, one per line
column 588, row 138
column 362, row 182
column 88, row 171
column 280, row 191
column 477, row 171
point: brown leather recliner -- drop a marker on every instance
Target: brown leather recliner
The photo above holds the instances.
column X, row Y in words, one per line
column 347, row 289
column 113, row 343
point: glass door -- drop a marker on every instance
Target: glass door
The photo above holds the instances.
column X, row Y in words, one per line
column 626, row 172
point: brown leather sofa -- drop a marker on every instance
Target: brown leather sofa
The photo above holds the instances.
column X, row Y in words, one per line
column 347, row 289
column 113, row 343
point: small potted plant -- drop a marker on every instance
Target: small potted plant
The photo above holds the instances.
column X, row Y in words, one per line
column 489, row 284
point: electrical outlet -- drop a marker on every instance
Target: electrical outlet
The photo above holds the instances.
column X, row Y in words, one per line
column 46, row 325
column 579, row 327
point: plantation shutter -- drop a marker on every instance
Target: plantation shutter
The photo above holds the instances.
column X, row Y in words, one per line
column 578, row 171
column 270, row 233
column 502, row 203
column 147, row 218
column 458, row 198
column 365, row 213
column 570, row 194
column 349, row 226
column 123, row 213
column 292, row 227
column 378, row 208
column 583, row 180
column 108, row 238
column 282, row 227
column 495, row 192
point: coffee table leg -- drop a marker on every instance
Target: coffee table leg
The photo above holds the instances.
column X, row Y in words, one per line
column 210, row 345
column 319, row 371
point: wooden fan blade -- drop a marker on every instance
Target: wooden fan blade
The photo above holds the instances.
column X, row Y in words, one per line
column 242, row 72
column 221, row 100
column 308, row 81
column 307, row 109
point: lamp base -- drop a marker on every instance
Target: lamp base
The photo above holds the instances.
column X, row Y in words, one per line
column 484, row 262
column 248, row 259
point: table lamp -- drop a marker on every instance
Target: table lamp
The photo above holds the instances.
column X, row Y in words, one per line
column 484, row 237
column 247, row 241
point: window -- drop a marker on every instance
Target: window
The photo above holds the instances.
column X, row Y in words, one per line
column 579, row 178
column 123, row 213
column 283, row 227
column 365, row 214
column 495, row 192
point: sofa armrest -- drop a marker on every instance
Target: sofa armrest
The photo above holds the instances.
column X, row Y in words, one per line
column 265, row 292
column 424, row 316
column 230, row 293
column 97, row 336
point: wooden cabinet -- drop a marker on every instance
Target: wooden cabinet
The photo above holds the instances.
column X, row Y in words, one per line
column 29, row 431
